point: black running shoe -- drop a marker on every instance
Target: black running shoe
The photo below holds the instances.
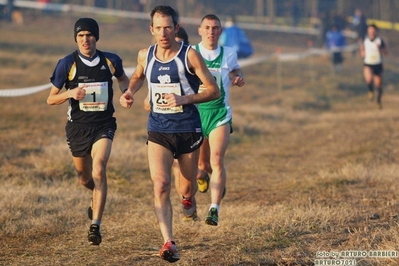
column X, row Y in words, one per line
column 94, row 235
column 213, row 217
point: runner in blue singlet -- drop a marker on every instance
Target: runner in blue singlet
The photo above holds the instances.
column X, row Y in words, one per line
column 87, row 76
column 173, row 71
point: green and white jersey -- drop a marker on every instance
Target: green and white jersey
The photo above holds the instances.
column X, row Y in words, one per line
column 220, row 63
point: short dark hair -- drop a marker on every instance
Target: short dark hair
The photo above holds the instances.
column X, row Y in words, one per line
column 182, row 34
column 165, row 10
column 211, row 17
column 373, row 26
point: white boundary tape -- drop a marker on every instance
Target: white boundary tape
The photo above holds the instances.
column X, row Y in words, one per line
column 314, row 51
column 243, row 63
column 23, row 91
column 185, row 20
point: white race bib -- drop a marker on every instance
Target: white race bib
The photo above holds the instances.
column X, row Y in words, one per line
column 217, row 74
column 96, row 98
column 373, row 57
column 158, row 91
column 372, row 50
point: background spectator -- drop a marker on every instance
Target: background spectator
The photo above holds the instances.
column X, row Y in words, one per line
column 359, row 24
column 234, row 36
column 335, row 42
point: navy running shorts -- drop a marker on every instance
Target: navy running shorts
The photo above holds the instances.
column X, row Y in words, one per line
column 177, row 143
column 81, row 137
column 375, row 69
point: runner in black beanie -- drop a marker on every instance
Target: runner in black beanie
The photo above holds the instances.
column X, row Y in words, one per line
column 86, row 24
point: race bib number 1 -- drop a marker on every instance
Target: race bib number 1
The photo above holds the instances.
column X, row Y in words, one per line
column 96, row 98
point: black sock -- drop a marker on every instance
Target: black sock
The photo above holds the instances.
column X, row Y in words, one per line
column 370, row 87
column 379, row 95
column 89, row 185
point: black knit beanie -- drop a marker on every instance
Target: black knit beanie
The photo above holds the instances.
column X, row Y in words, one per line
column 87, row 24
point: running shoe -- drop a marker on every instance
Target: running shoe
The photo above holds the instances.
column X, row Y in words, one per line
column 370, row 95
column 203, row 184
column 90, row 210
column 193, row 217
column 94, row 235
column 189, row 209
column 169, row 252
column 213, row 217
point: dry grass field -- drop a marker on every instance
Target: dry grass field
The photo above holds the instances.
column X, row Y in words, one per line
column 312, row 164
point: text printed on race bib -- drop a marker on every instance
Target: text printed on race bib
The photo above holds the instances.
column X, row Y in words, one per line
column 96, row 98
column 159, row 104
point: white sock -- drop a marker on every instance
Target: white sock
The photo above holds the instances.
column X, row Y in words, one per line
column 214, row 206
column 97, row 222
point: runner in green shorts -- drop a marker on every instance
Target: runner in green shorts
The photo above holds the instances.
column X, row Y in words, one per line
column 214, row 118
column 216, row 115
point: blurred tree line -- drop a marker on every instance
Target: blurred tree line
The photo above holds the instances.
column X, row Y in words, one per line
column 299, row 11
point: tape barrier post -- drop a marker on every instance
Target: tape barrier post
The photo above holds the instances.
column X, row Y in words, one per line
column 311, row 64
column 279, row 70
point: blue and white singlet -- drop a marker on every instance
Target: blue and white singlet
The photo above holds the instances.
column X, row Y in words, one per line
column 173, row 76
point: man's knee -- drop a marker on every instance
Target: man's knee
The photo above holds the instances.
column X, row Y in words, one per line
column 217, row 161
column 205, row 166
column 99, row 171
column 161, row 186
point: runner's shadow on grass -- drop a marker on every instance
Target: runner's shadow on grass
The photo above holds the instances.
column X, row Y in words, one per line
column 321, row 103
column 353, row 89
column 389, row 78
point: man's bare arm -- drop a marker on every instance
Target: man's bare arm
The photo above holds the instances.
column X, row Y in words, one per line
column 136, row 80
column 55, row 97
column 123, row 82
column 212, row 91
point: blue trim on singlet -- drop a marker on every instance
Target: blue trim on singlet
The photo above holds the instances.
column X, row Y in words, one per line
column 86, row 74
column 60, row 74
column 178, row 71
column 60, row 78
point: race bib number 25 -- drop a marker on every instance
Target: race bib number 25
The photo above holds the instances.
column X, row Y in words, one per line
column 159, row 104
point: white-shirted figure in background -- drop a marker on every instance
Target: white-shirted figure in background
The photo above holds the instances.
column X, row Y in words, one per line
column 372, row 50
